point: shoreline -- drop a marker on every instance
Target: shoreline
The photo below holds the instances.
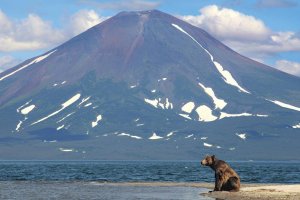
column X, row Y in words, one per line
column 248, row 191
column 147, row 190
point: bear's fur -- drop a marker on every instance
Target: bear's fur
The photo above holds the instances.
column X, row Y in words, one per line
column 226, row 179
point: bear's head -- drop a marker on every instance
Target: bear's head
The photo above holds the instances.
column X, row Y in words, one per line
column 208, row 160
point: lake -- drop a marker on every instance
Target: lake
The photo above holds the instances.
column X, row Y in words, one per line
column 110, row 179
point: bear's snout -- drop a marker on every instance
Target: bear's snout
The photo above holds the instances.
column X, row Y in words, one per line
column 203, row 162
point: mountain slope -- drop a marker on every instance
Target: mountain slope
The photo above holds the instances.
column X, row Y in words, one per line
column 146, row 85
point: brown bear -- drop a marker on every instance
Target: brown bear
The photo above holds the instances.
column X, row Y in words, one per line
column 226, row 179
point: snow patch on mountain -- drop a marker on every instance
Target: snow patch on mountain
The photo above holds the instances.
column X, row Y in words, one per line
column 95, row 123
column 28, row 109
column 83, row 100
column 132, row 136
column 224, row 115
column 22, row 106
column 227, row 77
column 296, row 126
column 160, row 103
column 24, row 111
column 152, row 102
column 207, row 145
column 60, row 127
column 243, row 136
column 68, row 115
column 39, row 59
column 50, row 141
column 261, row 115
column 169, row 104
column 219, row 103
column 284, row 105
column 188, row 107
column 19, row 125
column 64, row 106
column 189, row 136
column 163, row 79
column 88, row 104
column 185, row 116
column 56, row 84
column 205, row 114
column 171, row 133
column 155, row 137
column 66, row 150
column 71, row 100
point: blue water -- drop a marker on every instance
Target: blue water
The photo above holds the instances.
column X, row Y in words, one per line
column 144, row 171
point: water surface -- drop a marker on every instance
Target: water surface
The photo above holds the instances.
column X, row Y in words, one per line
column 145, row 171
column 113, row 179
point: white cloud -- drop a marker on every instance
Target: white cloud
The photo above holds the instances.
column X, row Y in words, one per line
column 259, row 50
column 285, row 41
column 5, row 23
column 30, row 33
column 34, row 27
column 227, row 24
column 274, row 44
column 83, row 20
column 34, row 33
column 288, row 67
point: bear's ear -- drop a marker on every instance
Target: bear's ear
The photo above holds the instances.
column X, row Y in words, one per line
column 213, row 157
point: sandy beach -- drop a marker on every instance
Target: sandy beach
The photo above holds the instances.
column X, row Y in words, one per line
column 248, row 191
column 140, row 190
column 260, row 191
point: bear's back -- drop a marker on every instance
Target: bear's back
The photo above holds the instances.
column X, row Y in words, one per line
column 222, row 166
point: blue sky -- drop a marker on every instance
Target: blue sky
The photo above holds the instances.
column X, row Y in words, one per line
column 265, row 30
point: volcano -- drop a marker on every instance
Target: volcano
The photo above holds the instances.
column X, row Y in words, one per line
column 147, row 86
